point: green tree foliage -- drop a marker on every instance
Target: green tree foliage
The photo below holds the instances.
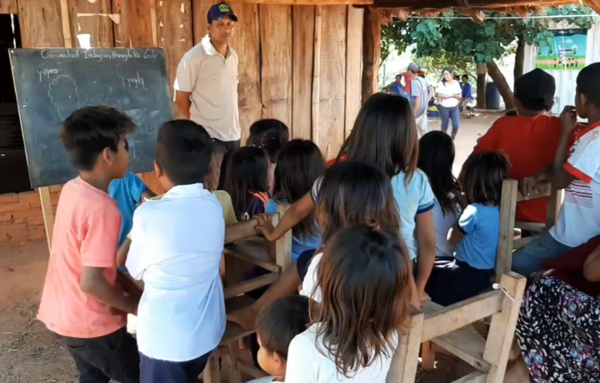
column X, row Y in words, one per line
column 463, row 42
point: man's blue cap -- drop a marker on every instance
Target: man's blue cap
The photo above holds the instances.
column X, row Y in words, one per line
column 220, row 11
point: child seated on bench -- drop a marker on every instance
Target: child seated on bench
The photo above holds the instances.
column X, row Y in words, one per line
column 247, row 181
column 364, row 280
column 578, row 172
column 300, row 164
column 277, row 325
column 529, row 139
column 475, row 234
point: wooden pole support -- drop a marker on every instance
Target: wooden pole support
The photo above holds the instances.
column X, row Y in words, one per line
column 371, row 53
column 403, row 368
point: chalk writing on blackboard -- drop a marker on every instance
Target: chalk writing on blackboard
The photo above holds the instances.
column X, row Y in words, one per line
column 100, row 55
column 133, row 82
column 46, row 73
column 63, row 95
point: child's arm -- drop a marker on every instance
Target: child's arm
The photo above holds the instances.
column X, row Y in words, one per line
column 556, row 173
column 122, row 253
column 94, row 284
column 294, row 215
column 591, row 268
column 464, row 226
column 455, row 235
column 426, row 249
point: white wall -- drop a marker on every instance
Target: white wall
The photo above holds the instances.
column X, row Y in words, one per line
column 566, row 80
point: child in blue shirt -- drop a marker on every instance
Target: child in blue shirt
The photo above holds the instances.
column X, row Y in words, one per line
column 128, row 192
column 299, row 165
column 475, row 234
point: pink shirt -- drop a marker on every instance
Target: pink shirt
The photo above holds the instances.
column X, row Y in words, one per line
column 86, row 234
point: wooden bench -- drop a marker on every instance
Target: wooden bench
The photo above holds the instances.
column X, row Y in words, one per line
column 507, row 243
column 253, row 251
column 508, row 207
column 449, row 327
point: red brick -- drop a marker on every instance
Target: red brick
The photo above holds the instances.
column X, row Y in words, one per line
column 19, row 235
column 37, row 232
column 9, row 198
column 36, row 221
column 10, row 227
column 28, row 197
column 30, row 213
column 5, row 217
column 11, row 207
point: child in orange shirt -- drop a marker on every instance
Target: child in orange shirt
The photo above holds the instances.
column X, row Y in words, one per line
column 82, row 300
column 529, row 139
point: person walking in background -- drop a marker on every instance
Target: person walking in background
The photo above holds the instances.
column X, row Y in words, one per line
column 419, row 97
column 449, row 94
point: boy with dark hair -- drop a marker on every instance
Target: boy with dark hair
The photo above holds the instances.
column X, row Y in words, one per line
column 82, row 300
column 529, row 139
column 277, row 325
column 578, row 172
column 182, row 313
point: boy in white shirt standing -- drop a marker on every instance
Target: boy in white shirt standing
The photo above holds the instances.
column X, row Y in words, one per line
column 181, row 316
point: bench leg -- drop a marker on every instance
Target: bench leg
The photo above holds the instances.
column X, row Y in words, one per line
column 212, row 374
column 427, row 356
column 405, row 361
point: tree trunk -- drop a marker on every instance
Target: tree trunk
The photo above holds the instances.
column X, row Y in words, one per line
column 519, row 58
column 481, row 75
column 501, row 84
column 371, row 53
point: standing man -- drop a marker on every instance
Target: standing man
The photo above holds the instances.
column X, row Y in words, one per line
column 420, row 94
column 206, row 85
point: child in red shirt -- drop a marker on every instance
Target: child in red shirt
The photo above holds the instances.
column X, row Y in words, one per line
column 530, row 139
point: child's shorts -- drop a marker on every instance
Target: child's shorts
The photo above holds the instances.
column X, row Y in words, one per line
column 161, row 371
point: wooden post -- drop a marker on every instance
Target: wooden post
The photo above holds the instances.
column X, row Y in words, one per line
column 502, row 328
column 316, row 86
column 508, row 208
column 45, row 191
column 403, row 368
column 371, row 53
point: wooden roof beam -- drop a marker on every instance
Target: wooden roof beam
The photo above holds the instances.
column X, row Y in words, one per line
column 420, row 5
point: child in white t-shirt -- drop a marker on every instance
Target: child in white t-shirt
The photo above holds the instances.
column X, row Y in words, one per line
column 364, row 279
column 577, row 170
column 277, row 325
column 181, row 316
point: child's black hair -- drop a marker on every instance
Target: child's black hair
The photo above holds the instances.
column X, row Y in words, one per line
column 384, row 135
column 484, row 174
column 588, row 83
column 280, row 322
column 364, row 279
column 247, row 171
column 299, row 165
column 184, row 151
column 90, row 130
column 436, row 157
column 465, row 75
column 271, row 135
column 535, row 90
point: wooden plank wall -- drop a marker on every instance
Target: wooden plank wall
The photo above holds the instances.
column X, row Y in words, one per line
column 275, row 45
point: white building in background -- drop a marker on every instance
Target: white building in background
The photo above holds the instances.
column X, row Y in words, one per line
column 566, row 79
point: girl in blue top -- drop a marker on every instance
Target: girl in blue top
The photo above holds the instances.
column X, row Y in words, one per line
column 475, row 234
column 385, row 136
column 299, row 165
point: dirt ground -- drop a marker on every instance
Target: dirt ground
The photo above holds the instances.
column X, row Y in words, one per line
column 31, row 354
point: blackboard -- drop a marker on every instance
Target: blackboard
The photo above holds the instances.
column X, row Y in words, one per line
column 52, row 83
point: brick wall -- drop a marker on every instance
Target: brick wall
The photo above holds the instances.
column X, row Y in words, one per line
column 21, row 216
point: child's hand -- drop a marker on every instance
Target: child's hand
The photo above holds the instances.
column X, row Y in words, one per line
column 529, row 187
column 264, row 227
column 568, row 119
column 424, row 297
